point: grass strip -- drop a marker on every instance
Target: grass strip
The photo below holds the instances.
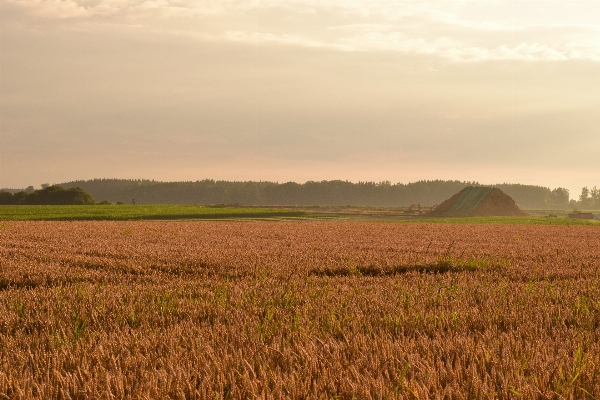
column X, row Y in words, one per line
column 137, row 212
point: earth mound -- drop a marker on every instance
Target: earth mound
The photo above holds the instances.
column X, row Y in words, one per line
column 478, row 202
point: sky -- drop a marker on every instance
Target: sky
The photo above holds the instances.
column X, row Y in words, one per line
column 294, row 90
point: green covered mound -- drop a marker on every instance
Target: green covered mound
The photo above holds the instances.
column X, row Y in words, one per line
column 478, row 201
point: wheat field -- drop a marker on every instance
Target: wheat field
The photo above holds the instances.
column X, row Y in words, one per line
column 197, row 310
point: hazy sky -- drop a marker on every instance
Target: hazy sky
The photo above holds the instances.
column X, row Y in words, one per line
column 487, row 90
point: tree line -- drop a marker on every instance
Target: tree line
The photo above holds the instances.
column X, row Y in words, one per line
column 334, row 192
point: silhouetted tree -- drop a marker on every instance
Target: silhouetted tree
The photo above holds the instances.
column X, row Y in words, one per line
column 559, row 198
column 6, row 198
column 19, row 197
column 595, row 196
column 585, row 201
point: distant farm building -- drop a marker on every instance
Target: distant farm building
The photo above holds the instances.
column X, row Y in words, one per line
column 581, row 215
column 478, row 201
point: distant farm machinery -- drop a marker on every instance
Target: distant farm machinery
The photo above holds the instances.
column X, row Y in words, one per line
column 413, row 209
column 416, row 209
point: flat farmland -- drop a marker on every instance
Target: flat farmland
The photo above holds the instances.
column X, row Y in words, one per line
column 304, row 309
column 123, row 212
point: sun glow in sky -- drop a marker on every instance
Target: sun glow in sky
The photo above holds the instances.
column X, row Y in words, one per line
column 486, row 90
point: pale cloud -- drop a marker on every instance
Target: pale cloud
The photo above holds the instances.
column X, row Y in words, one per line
column 50, row 9
column 458, row 31
column 260, row 38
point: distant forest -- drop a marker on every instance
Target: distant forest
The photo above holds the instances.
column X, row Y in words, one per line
column 426, row 193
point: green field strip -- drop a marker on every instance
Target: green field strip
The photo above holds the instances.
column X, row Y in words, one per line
column 142, row 212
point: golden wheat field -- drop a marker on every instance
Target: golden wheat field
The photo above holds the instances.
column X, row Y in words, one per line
column 198, row 310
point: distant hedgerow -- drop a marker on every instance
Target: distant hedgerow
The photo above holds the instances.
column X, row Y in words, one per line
column 51, row 195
